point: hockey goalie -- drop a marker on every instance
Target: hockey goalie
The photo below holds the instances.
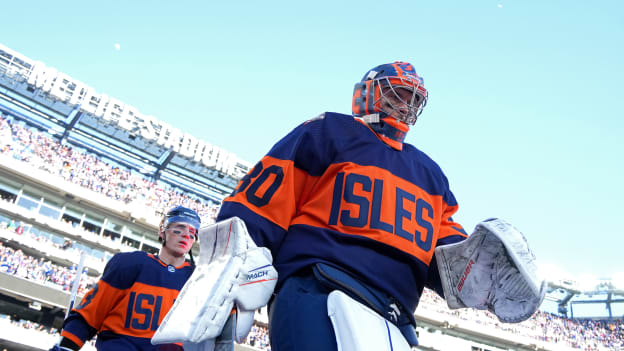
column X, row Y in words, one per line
column 357, row 223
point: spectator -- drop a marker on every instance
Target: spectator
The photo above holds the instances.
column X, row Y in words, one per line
column 97, row 175
column 15, row 262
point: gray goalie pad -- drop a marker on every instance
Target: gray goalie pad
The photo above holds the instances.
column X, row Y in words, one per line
column 493, row 269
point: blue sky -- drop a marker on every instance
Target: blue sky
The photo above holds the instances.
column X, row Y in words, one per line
column 525, row 110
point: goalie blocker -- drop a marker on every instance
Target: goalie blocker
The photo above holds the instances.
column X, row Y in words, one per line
column 231, row 271
column 493, row 269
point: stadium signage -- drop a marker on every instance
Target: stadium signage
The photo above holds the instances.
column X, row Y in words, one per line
column 112, row 111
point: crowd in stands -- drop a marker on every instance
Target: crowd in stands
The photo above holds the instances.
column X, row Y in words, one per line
column 258, row 337
column 584, row 334
column 127, row 186
column 94, row 173
column 15, row 262
column 30, row 325
column 52, row 244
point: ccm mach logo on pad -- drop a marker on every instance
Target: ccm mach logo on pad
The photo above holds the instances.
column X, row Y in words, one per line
column 259, row 275
column 256, row 275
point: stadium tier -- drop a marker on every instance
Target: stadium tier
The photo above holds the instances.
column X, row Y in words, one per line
column 83, row 173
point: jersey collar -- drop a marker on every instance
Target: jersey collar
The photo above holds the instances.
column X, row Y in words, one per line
column 388, row 129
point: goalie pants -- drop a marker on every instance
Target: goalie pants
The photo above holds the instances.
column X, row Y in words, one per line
column 298, row 317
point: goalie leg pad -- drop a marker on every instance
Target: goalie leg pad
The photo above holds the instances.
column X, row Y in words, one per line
column 206, row 345
column 231, row 270
column 357, row 327
column 244, row 322
column 493, row 269
column 225, row 341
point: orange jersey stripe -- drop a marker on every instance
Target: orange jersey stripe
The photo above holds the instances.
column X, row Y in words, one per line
column 372, row 203
column 141, row 311
column 97, row 302
column 72, row 337
column 378, row 205
column 285, row 199
column 137, row 311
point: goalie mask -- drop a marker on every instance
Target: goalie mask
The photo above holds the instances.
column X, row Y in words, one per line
column 390, row 90
column 389, row 99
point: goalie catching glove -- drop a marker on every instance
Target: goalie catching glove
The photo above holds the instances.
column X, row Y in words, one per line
column 231, row 270
column 493, row 269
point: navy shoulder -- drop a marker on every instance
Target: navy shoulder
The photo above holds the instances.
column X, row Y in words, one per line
column 312, row 145
column 422, row 158
column 125, row 258
column 326, row 119
column 432, row 167
column 122, row 269
column 335, row 128
column 318, row 118
column 338, row 118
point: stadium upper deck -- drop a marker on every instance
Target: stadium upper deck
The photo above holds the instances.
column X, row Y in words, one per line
column 74, row 113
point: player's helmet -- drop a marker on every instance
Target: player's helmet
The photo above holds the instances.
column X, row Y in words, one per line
column 379, row 92
column 181, row 214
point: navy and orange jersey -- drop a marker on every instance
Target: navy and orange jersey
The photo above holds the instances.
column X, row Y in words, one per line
column 331, row 191
column 128, row 303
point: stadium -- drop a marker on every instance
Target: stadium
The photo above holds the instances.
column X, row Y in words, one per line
column 83, row 175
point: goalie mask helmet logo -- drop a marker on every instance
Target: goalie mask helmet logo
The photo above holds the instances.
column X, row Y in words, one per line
column 390, row 90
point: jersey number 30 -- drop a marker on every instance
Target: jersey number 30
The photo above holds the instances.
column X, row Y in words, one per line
column 251, row 188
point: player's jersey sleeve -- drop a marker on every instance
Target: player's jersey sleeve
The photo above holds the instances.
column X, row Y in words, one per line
column 450, row 232
column 269, row 196
column 86, row 319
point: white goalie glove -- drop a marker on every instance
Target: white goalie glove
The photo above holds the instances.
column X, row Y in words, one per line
column 231, row 270
column 493, row 269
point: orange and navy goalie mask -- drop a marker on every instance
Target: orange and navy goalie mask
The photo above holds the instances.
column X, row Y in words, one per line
column 389, row 99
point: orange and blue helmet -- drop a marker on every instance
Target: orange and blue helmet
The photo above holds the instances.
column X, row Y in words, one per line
column 390, row 90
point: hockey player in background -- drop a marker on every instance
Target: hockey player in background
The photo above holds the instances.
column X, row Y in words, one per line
column 358, row 223
column 135, row 292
